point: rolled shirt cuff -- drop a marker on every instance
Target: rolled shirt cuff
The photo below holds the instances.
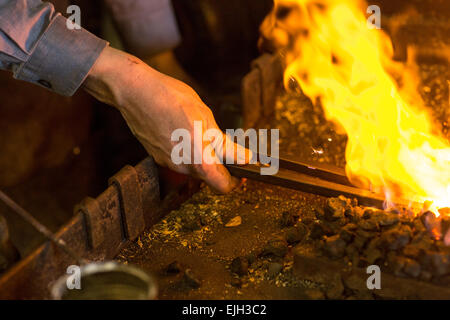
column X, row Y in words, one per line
column 62, row 58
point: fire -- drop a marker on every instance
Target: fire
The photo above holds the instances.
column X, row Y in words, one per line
column 347, row 67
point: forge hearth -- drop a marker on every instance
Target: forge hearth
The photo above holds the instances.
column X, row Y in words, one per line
column 290, row 245
column 296, row 245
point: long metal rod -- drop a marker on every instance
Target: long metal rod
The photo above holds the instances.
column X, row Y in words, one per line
column 39, row 226
column 318, row 170
column 316, row 179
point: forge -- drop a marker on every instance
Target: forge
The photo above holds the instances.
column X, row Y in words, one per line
column 316, row 228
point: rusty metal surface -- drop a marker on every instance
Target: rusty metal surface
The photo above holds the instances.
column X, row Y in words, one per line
column 260, row 89
column 96, row 232
column 130, row 197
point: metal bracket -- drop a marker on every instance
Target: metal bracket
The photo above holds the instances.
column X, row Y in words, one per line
column 95, row 226
column 130, row 200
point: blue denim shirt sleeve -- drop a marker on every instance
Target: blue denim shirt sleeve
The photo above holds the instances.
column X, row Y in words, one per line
column 38, row 47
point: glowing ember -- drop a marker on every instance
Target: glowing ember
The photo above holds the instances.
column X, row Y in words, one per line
column 346, row 67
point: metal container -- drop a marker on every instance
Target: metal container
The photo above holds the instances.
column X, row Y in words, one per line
column 108, row 281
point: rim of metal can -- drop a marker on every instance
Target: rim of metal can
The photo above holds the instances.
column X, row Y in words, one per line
column 60, row 288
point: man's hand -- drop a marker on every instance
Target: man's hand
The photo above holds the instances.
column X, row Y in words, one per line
column 154, row 105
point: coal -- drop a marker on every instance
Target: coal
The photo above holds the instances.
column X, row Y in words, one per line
column 397, row 238
column 319, row 213
column 424, row 241
column 307, row 220
column 335, row 226
column 365, row 234
column 445, row 223
column 412, row 268
column 373, row 255
column 173, row 268
column 288, row 219
column 428, row 218
column 446, row 238
column 352, row 253
column 432, row 224
column 445, row 229
column 368, row 213
column 319, row 229
column 334, row 247
column 359, row 242
column 354, row 214
column 412, row 251
column 239, row 266
column 334, row 209
column 396, row 263
column 294, row 235
column 440, row 263
column 369, row 225
column 347, row 233
column 362, row 238
column 275, row 248
column 418, row 226
column 388, row 219
column 408, row 246
column 372, row 252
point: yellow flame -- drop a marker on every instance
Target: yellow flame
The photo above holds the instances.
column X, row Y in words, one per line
column 338, row 60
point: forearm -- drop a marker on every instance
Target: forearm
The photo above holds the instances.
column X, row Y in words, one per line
column 98, row 82
column 114, row 76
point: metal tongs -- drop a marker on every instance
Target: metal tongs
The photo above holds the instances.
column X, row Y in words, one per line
column 316, row 178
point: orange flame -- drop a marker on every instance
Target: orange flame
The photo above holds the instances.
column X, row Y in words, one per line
column 338, row 60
